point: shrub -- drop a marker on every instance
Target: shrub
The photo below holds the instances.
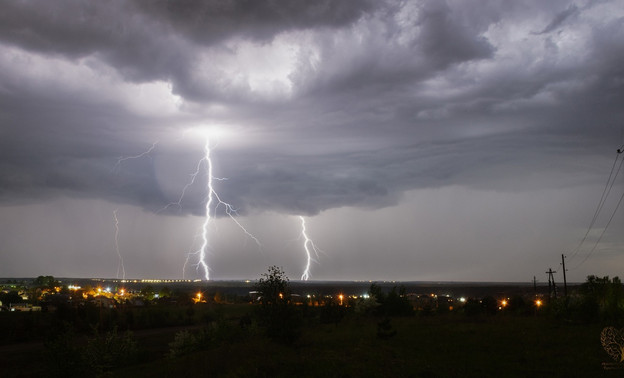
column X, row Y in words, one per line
column 109, row 350
column 184, row 342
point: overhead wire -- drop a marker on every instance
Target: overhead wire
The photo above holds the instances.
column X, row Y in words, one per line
column 606, row 192
column 603, row 231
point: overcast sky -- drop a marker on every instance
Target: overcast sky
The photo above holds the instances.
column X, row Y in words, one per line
column 421, row 140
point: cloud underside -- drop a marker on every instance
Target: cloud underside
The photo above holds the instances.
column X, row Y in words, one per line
column 325, row 104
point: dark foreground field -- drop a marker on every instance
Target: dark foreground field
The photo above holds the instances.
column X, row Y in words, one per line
column 387, row 333
column 422, row 347
column 449, row 345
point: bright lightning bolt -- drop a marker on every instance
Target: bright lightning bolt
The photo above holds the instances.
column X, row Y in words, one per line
column 120, row 265
column 204, row 246
column 212, row 196
column 308, row 245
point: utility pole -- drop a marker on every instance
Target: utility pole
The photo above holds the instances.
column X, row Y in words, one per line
column 552, row 288
column 549, row 285
column 565, row 284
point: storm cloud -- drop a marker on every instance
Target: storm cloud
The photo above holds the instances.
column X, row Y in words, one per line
column 322, row 107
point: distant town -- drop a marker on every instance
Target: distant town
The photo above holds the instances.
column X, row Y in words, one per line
column 44, row 293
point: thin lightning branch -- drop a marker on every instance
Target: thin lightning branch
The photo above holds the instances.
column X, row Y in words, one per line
column 178, row 203
column 308, row 245
column 230, row 211
column 121, row 263
column 188, row 257
column 144, row 153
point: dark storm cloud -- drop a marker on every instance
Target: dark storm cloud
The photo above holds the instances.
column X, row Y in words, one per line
column 395, row 50
column 146, row 40
column 385, row 98
column 560, row 19
column 208, row 22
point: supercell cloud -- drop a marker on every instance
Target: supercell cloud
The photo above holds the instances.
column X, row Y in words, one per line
column 423, row 140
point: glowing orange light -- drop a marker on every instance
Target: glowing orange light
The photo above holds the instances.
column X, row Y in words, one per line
column 538, row 303
column 504, row 303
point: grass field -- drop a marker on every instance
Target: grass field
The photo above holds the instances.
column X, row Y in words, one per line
column 451, row 344
column 438, row 346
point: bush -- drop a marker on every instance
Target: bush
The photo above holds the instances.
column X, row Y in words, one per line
column 184, row 342
column 109, row 350
column 63, row 355
column 103, row 352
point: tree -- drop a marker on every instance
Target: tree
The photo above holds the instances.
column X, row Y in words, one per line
column 603, row 295
column 276, row 312
column 45, row 281
column 394, row 303
column 164, row 292
column 274, row 287
column 148, row 292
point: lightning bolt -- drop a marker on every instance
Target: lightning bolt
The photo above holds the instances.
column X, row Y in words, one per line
column 120, row 265
column 212, row 201
column 121, row 159
column 178, row 203
column 308, row 245
column 212, row 197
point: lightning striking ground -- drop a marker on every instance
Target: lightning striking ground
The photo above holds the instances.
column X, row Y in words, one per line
column 120, row 265
column 308, row 245
column 211, row 197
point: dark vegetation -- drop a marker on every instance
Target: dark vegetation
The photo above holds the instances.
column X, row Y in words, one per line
column 273, row 332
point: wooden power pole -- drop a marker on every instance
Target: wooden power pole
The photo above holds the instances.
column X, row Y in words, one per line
column 565, row 284
column 552, row 288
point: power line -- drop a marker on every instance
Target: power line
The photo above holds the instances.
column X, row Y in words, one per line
column 603, row 231
column 605, row 193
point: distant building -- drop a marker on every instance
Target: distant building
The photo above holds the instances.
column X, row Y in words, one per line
column 105, row 302
column 24, row 307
